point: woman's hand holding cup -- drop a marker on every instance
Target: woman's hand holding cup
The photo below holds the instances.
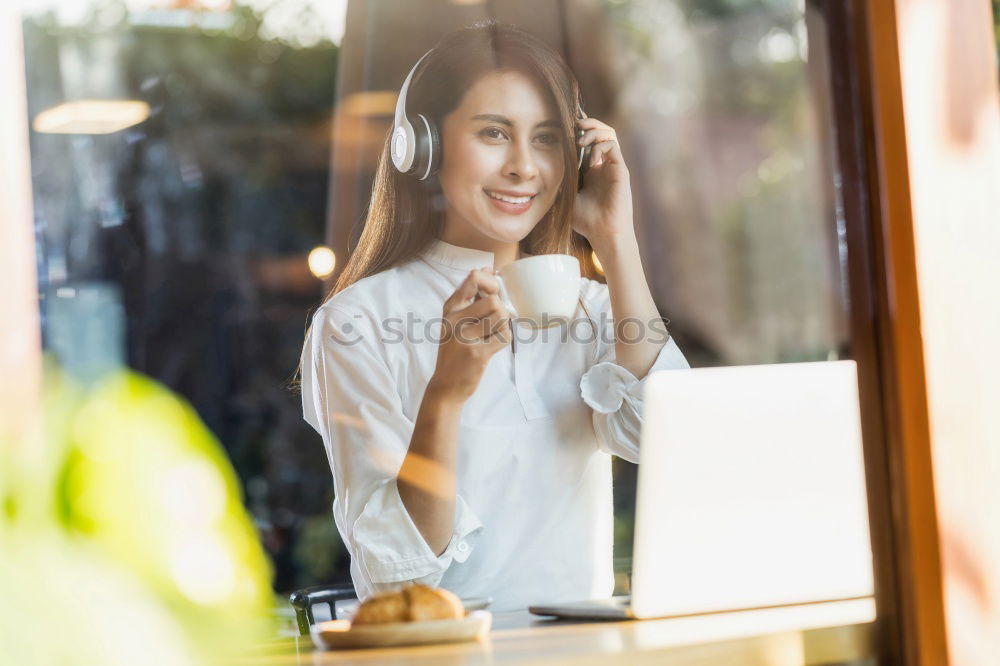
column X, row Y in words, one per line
column 475, row 326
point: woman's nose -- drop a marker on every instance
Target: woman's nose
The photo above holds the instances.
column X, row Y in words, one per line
column 521, row 162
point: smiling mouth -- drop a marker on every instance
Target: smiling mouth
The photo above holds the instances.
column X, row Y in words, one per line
column 509, row 199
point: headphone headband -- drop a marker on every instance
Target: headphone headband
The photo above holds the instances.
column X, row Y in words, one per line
column 404, row 141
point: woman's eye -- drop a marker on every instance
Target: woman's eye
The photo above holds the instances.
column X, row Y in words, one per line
column 493, row 133
column 549, row 138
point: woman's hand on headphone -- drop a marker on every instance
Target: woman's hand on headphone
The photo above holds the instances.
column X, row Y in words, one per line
column 475, row 326
column 603, row 211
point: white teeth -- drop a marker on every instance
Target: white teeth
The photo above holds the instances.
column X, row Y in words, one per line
column 513, row 200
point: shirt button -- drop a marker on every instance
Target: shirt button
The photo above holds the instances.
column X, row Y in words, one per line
column 463, row 547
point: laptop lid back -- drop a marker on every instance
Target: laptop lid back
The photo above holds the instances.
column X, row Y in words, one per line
column 751, row 489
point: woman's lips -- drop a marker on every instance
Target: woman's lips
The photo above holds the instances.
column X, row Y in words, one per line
column 511, row 208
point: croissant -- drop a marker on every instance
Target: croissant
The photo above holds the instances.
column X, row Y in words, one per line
column 416, row 603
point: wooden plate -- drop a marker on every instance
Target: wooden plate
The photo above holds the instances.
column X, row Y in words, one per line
column 340, row 635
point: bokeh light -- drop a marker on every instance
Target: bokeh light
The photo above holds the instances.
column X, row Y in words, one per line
column 92, row 116
column 322, row 261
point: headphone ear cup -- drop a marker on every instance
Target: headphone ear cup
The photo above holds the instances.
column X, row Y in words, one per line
column 427, row 149
column 583, row 164
column 583, row 156
column 435, row 149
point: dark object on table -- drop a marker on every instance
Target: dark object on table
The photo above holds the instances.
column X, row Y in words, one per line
column 303, row 601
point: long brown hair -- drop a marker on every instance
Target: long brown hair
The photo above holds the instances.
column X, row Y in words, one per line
column 406, row 214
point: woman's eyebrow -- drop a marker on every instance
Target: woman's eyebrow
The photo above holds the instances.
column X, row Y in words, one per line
column 493, row 118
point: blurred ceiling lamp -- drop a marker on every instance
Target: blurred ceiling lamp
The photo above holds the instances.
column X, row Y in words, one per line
column 467, row 2
column 369, row 103
column 322, row 261
column 91, row 116
column 597, row 263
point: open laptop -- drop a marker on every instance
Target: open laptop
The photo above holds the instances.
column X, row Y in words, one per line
column 751, row 493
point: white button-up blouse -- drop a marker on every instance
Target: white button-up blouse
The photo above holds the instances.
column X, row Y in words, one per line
column 533, row 513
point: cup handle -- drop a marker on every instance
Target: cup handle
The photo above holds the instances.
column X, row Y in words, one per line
column 505, row 297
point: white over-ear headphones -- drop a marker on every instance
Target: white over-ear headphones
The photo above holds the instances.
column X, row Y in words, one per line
column 415, row 145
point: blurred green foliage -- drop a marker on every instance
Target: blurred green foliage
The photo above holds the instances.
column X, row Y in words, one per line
column 715, row 9
column 996, row 25
column 125, row 538
column 319, row 549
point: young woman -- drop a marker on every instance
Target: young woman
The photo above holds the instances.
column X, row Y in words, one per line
column 462, row 460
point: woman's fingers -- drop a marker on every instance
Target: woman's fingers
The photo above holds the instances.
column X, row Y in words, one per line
column 603, row 141
column 484, row 331
column 499, row 340
column 474, row 314
column 465, row 293
column 481, row 308
column 588, row 123
column 479, row 282
column 478, row 321
column 606, row 151
column 496, row 324
column 596, row 134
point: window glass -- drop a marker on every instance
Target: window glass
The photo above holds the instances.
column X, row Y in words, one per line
column 191, row 224
column 176, row 236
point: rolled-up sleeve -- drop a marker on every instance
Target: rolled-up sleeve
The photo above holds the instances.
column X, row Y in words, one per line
column 352, row 400
column 612, row 392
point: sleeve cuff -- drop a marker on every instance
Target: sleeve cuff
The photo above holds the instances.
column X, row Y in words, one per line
column 606, row 384
column 393, row 550
column 463, row 539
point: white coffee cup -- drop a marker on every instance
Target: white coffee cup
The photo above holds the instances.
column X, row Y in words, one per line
column 541, row 291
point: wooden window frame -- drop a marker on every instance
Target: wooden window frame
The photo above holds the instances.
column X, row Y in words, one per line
column 876, row 125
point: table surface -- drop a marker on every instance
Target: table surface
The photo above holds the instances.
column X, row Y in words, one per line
column 838, row 632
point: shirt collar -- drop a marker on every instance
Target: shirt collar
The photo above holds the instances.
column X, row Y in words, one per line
column 465, row 258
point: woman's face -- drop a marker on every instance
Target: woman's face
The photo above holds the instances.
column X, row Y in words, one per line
column 503, row 140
